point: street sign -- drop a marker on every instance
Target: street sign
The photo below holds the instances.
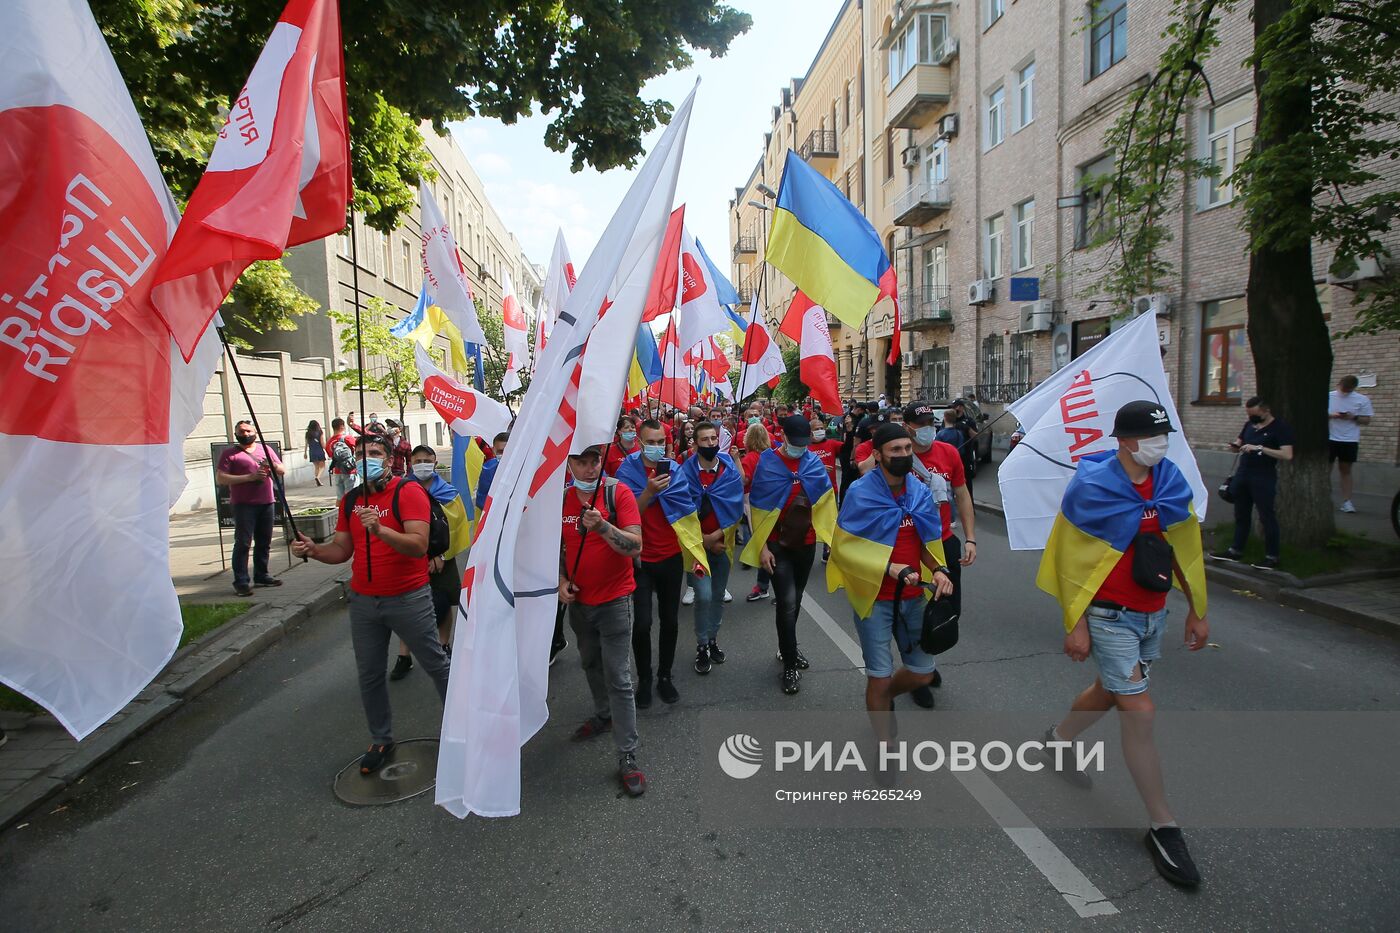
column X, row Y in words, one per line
column 1025, row 288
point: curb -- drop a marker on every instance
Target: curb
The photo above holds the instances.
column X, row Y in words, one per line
column 211, row 659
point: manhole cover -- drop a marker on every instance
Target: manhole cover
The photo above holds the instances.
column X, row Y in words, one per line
column 410, row 770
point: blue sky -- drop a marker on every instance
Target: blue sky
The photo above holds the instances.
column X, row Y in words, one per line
column 535, row 193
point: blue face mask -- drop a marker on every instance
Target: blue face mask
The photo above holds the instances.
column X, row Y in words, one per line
column 585, row 486
column 794, row 451
column 628, row 437
column 654, row 452
column 374, row 469
column 755, row 420
column 925, row 435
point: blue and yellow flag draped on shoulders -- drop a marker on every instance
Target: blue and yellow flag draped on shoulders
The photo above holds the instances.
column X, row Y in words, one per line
column 769, row 492
column 866, row 531
column 678, row 503
column 467, row 460
column 725, row 494
column 454, row 507
column 1100, row 515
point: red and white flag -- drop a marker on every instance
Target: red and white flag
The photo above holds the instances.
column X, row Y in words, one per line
column 97, row 399
column 279, row 174
column 665, row 276
column 467, row 412
column 673, row 388
column 558, row 283
column 709, row 356
column 806, row 323
column 701, row 313
column 762, row 360
column 517, row 335
column 444, row 279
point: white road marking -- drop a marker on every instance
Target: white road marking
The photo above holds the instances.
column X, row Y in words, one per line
column 1078, row 891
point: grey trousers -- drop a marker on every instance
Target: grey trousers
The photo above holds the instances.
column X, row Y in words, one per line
column 604, row 635
column 373, row 620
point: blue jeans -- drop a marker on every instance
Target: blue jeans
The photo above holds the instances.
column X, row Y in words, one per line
column 877, row 631
column 252, row 528
column 709, row 597
column 1121, row 640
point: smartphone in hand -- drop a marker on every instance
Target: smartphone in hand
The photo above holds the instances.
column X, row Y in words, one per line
column 663, row 467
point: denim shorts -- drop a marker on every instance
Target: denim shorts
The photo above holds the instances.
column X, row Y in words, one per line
column 1120, row 641
column 875, row 634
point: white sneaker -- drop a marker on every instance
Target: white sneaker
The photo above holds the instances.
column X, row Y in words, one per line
column 727, row 597
column 689, row 598
column 1348, row 507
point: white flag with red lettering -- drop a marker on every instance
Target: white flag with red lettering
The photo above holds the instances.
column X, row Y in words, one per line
column 444, row 279
column 279, row 174
column 467, row 412
column 559, row 281
column 97, row 399
column 517, row 335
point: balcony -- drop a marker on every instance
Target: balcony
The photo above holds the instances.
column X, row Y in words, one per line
column 923, row 308
column 833, row 322
column 745, row 245
column 819, row 150
column 921, row 202
column 1002, row 391
column 745, row 295
column 918, row 95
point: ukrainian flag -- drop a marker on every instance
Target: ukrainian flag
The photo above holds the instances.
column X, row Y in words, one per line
column 678, row 503
column 646, row 363
column 769, row 491
column 865, row 535
column 1100, row 515
column 425, row 322
column 453, row 506
column 827, row 247
column 725, row 494
column 467, row 460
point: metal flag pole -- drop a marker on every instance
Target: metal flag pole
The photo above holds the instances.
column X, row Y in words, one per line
column 360, row 364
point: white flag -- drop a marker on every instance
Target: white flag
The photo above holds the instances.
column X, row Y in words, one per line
column 1071, row 415
column 444, row 279
column 517, row 336
column 558, row 282
column 97, row 400
column 500, row 664
column 467, row 412
column 762, row 361
column 701, row 314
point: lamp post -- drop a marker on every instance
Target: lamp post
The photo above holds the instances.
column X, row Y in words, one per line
column 759, row 205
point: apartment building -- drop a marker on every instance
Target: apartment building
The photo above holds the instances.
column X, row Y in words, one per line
column 984, row 121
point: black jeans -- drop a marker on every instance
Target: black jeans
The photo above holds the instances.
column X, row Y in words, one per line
column 252, row 527
column 663, row 580
column 1256, row 491
column 791, row 568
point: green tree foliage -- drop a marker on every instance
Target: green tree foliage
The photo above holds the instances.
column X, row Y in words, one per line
column 264, row 299
column 390, row 366
column 790, row 389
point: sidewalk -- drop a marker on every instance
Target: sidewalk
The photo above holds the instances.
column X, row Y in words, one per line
column 1371, row 603
column 41, row 758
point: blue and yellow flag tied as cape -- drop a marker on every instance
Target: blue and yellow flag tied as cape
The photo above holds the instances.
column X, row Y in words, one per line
column 725, row 494
column 769, row 492
column 1100, row 515
column 865, row 534
column 447, row 496
column 678, row 503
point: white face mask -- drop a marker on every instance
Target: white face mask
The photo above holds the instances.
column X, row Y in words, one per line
column 422, row 470
column 1151, row 450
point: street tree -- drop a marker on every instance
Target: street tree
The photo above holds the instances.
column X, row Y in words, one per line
column 390, row 366
column 1325, row 83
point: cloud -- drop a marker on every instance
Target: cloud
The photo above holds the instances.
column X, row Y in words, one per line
column 490, row 164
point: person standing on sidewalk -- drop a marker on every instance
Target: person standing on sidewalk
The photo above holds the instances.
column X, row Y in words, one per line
column 343, row 469
column 248, row 476
column 315, row 448
column 596, row 584
column 1347, row 411
column 1127, row 529
column 720, row 489
column 1263, row 442
column 390, row 594
column 792, row 504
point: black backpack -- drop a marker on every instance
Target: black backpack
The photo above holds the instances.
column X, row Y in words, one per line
column 439, row 531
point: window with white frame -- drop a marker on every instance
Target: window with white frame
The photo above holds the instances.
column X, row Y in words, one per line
column 935, row 276
column 991, row 247
column 937, row 165
column 1229, row 134
column 918, row 43
column 995, row 10
column 409, row 266
column 1025, row 96
column 996, row 116
column 1023, row 247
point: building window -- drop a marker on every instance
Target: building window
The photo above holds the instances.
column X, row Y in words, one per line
column 995, row 10
column 409, row 267
column 991, row 248
column 1222, row 350
column 935, row 277
column 1094, row 180
column 889, row 153
column 846, row 107
column 920, row 43
column 342, row 243
column 937, row 372
column 937, row 165
column 993, row 375
column 1025, row 96
column 996, row 117
column 1023, row 247
column 1229, row 134
column 1022, row 347
column 1108, row 35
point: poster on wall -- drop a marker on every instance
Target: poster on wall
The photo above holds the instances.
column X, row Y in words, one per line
column 1061, row 340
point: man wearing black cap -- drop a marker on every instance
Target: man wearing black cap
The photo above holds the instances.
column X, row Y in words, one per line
column 967, row 448
column 1132, row 495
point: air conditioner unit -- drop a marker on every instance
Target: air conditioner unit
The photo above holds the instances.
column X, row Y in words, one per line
column 947, row 51
column 1159, row 304
column 948, row 126
column 1037, row 316
column 910, row 358
column 980, row 292
column 910, row 157
column 1364, row 269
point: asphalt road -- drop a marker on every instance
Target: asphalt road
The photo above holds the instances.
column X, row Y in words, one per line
column 222, row 818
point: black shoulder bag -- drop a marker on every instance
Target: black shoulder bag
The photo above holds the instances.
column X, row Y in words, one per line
column 940, row 628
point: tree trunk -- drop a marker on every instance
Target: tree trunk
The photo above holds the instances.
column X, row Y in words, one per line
column 1288, row 336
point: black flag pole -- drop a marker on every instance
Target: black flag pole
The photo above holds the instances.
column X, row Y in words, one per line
column 360, row 363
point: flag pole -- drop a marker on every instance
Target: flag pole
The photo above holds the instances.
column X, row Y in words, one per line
column 360, row 364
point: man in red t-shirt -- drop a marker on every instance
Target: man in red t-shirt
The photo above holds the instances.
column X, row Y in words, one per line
column 385, row 520
column 342, row 479
column 828, row 451
column 602, row 533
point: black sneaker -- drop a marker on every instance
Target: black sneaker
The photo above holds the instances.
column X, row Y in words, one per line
column 631, row 777
column 922, row 696
column 702, row 659
column 643, row 694
column 1168, row 848
column 826, row 553
column 756, row 594
column 268, row 581
column 716, row 654
column 402, row 666
column 667, row 690
column 1069, row 772
column 374, row 759
column 555, row 648
column 1230, row 555
column 937, row 679
column 792, row 680
column 592, row 727
column 243, row 589
column 1268, row 563
column 802, row 663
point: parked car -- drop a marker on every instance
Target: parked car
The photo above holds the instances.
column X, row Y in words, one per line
column 982, row 443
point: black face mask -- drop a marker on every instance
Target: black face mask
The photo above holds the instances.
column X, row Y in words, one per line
column 1255, row 419
column 246, row 440
column 899, row 466
column 708, row 453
